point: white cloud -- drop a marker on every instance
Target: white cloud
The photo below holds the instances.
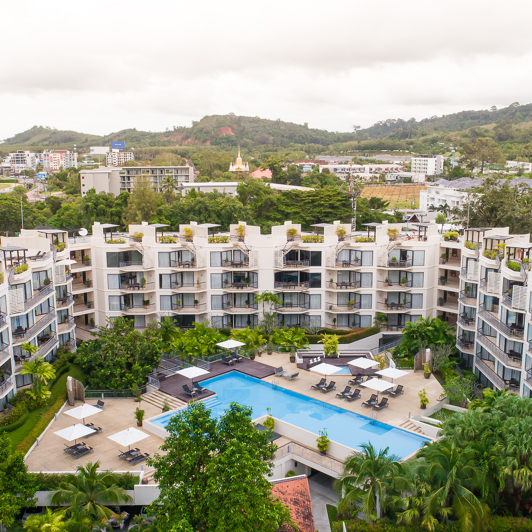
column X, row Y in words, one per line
column 108, row 65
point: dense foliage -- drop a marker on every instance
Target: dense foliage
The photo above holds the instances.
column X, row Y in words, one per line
column 120, row 356
column 213, row 473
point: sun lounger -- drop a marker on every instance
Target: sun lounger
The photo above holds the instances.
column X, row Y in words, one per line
column 188, row 391
column 398, row 391
column 198, row 388
column 39, row 256
column 329, row 387
column 93, row 426
column 382, row 404
column 279, row 371
column 320, row 385
column 358, row 380
column 137, row 459
column 371, row 401
column 99, row 404
column 126, row 455
column 237, row 358
column 353, row 396
column 81, row 452
column 291, row 376
column 345, row 393
column 228, row 361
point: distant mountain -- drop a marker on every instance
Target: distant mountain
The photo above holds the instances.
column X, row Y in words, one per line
column 231, row 130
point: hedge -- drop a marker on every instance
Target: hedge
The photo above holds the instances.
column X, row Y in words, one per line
column 346, row 338
column 45, row 482
column 493, row 524
column 16, row 424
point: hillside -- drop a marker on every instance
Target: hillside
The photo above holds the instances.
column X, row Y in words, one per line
column 229, row 131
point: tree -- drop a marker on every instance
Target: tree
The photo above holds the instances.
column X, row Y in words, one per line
column 483, row 151
column 459, row 388
column 17, row 487
column 120, row 356
column 268, row 297
column 143, row 202
column 441, row 219
column 199, row 341
column 89, row 493
column 368, row 478
column 212, row 467
column 168, row 187
column 40, row 371
column 49, row 522
column 168, row 333
column 454, row 477
column 427, row 332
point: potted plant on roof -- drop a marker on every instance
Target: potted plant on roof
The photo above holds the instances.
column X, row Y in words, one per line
column 145, row 302
column 292, row 355
column 269, row 422
column 269, row 347
column 403, row 281
column 291, row 234
column 322, row 442
column 423, row 399
column 196, row 303
column 143, row 281
column 426, row 370
column 139, row 415
column 443, row 280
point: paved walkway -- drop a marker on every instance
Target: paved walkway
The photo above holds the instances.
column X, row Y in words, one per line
column 321, row 494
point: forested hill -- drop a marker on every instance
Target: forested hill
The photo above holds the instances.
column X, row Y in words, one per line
column 228, row 131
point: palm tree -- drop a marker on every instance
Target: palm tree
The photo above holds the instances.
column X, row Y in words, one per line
column 268, row 297
column 368, row 477
column 48, row 522
column 168, row 186
column 453, row 476
column 90, row 492
column 41, row 372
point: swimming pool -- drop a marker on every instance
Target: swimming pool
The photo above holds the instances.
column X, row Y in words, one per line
column 342, row 370
column 342, row 426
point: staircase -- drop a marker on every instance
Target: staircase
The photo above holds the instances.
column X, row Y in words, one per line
column 157, row 399
column 408, row 425
column 212, row 402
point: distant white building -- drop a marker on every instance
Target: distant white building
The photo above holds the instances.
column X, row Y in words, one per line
column 438, row 195
column 428, row 165
column 514, row 166
column 57, row 159
column 119, row 158
column 363, row 171
column 20, row 161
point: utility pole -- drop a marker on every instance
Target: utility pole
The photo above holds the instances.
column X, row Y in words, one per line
column 21, row 212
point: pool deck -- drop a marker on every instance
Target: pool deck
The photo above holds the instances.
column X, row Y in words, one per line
column 396, row 414
column 254, row 368
column 118, row 415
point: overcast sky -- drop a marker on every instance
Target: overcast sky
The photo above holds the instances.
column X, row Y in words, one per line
column 102, row 66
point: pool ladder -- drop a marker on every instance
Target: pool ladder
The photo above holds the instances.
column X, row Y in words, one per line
column 275, row 382
column 373, row 415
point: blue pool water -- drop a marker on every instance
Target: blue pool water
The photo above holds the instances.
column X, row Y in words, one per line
column 343, row 370
column 342, row 426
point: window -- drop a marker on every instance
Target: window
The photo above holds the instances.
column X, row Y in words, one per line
column 114, row 303
column 315, row 301
column 166, row 302
column 113, row 281
column 112, row 260
column 216, row 280
column 164, row 260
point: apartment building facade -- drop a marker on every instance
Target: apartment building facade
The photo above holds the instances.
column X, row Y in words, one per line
column 21, row 160
column 329, row 278
column 428, row 165
column 36, row 303
column 364, row 171
column 118, row 158
column 57, row 159
column 115, row 180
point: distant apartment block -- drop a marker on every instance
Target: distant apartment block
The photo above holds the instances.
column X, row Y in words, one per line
column 57, row 159
column 363, row 171
column 118, row 158
column 428, row 165
column 20, row 161
column 114, row 180
column 514, row 166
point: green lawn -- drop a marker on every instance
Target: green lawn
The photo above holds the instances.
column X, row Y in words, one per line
column 332, row 514
column 58, row 390
column 442, row 414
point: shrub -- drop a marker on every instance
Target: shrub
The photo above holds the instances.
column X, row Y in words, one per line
column 219, row 239
column 46, row 482
column 21, row 268
column 188, row 233
column 60, row 247
column 340, row 233
column 312, row 239
column 451, row 235
column 515, row 266
column 115, row 241
column 490, row 254
column 345, row 337
column 137, row 237
column 290, row 474
column 470, row 245
column 364, row 239
column 291, row 233
column 167, row 239
column 392, row 234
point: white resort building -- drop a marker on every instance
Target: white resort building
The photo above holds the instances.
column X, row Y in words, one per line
column 329, row 278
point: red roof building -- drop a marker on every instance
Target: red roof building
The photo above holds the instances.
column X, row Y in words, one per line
column 295, row 494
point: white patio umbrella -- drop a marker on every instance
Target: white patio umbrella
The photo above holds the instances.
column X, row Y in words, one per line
column 378, row 385
column 74, row 432
column 128, row 437
column 363, row 363
column 326, row 369
column 192, row 372
column 392, row 373
column 83, row 411
column 231, row 344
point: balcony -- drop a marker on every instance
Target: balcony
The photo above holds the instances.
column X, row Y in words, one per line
column 348, row 263
column 467, row 322
column 66, row 326
column 397, row 264
column 44, row 348
column 62, row 302
column 81, row 265
column 341, row 309
column 131, row 264
column 393, row 285
column 448, row 306
column 240, row 285
column 6, row 385
column 295, row 285
column 62, row 278
column 146, row 287
column 3, row 319
column 138, row 309
column 466, row 299
column 512, row 360
column 451, row 262
column 394, row 306
column 36, row 298
column 183, row 264
column 449, row 284
column 344, row 285
column 469, row 276
column 489, row 290
column 489, row 373
column 4, row 352
column 392, row 328
column 189, row 308
column 512, row 330
column 239, row 309
column 79, row 286
column 189, row 287
column 21, row 335
column 507, row 300
column 84, row 307
column 291, row 264
column 467, row 346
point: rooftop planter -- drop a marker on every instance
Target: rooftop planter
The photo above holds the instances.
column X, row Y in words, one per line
column 312, row 239
column 291, row 234
column 137, row 237
column 362, row 239
column 341, row 233
column 515, row 266
column 241, row 232
column 21, row 269
column 115, row 241
column 167, row 239
column 451, row 235
column 471, row 245
column 219, row 239
column 188, row 234
column 490, row 254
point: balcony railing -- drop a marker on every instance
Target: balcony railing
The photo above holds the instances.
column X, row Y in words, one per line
column 187, row 307
column 130, row 263
column 137, row 308
column 512, row 330
column 6, row 385
column 394, row 306
column 39, row 296
column 183, row 264
column 344, row 285
column 137, row 286
column 239, row 308
column 189, row 286
column 4, row 352
column 399, row 264
column 469, row 276
column 25, row 335
column 393, row 284
column 82, row 264
column 293, row 305
column 348, row 263
column 3, row 319
column 64, row 301
column 466, row 321
column 240, row 285
column 295, row 285
column 44, row 348
column 296, row 263
column 509, row 360
column 65, row 326
column 392, row 327
column 465, row 345
column 490, row 374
